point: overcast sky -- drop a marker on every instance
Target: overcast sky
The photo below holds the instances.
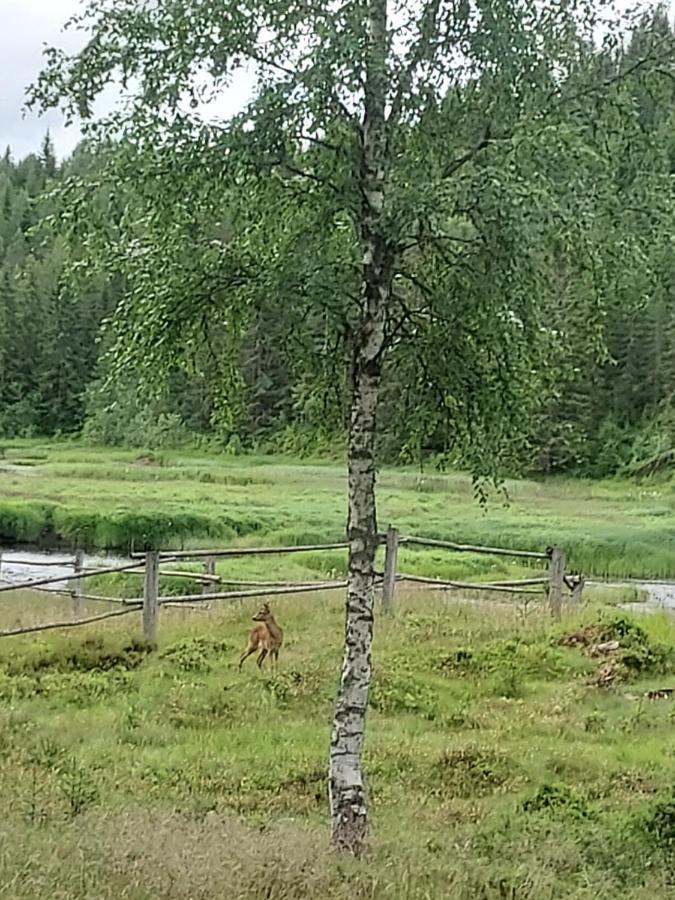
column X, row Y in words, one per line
column 25, row 27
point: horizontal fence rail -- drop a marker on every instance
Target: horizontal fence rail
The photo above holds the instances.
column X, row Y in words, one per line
column 472, row 548
column 149, row 565
column 65, row 563
column 245, row 551
column 308, row 588
column 73, row 623
column 257, row 592
column 57, row 579
column 467, row 585
column 553, row 584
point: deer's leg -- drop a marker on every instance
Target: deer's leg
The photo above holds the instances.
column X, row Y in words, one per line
column 275, row 659
column 261, row 658
column 245, row 655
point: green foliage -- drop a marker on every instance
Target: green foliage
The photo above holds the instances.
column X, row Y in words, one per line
column 639, row 654
column 660, row 824
column 24, row 521
column 195, row 654
column 397, row 693
column 518, row 227
column 511, row 659
column 48, row 329
column 652, row 446
column 259, row 357
column 636, row 655
column 475, row 771
column 115, row 499
column 129, row 528
column 77, row 786
column 293, row 688
column 556, row 799
column 91, row 655
column 119, row 416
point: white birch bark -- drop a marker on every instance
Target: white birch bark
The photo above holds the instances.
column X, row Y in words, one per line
column 348, row 800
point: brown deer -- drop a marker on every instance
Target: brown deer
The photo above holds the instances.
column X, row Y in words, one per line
column 266, row 637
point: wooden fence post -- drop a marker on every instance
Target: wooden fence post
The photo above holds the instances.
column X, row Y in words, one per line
column 77, row 583
column 556, row 575
column 209, row 569
column 577, row 590
column 150, row 595
column 389, row 580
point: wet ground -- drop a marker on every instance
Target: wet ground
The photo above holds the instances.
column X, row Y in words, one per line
column 660, row 594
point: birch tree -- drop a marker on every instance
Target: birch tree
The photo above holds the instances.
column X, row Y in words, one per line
column 375, row 180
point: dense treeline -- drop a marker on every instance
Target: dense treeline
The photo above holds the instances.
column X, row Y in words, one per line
column 609, row 410
column 48, row 333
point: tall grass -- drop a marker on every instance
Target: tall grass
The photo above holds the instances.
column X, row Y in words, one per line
column 116, row 500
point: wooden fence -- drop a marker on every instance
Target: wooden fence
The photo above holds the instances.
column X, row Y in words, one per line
column 555, row 584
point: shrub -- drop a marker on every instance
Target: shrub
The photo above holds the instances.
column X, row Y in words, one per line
column 92, row 654
column 509, row 658
column 195, row 654
column 660, row 824
column 24, row 521
column 473, row 771
column 557, row 798
column 401, row 692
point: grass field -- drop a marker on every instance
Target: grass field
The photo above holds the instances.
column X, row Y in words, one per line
column 114, row 499
column 502, row 765
column 497, row 767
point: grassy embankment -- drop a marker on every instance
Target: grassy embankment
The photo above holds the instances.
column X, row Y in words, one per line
column 113, row 500
column 498, row 769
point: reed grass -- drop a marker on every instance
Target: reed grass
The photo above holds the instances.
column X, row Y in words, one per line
column 122, row 500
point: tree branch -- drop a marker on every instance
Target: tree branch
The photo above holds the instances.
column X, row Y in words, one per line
column 300, row 76
column 407, row 317
column 419, row 52
column 457, row 164
column 417, row 282
column 301, row 136
column 302, row 173
column 605, row 83
column 263, row 61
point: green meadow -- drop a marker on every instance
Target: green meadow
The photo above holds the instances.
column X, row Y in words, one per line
column 507, row 758
column 117, row 500
column 499, row 765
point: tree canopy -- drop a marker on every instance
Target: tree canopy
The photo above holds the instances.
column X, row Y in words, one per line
column 616, row 401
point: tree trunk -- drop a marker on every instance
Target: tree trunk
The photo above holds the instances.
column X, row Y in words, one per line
column 348, row 801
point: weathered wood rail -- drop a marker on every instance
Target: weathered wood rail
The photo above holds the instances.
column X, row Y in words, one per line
column 553, row 584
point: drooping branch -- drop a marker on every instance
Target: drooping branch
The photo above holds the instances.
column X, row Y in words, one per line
column 654, row 58
column 292, row 169
column 422, row 50
column 456, row 164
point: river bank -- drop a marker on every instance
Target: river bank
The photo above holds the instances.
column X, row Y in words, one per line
column 113, row 501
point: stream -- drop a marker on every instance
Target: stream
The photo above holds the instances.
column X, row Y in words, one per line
column 18, row 566
column 661, row 594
